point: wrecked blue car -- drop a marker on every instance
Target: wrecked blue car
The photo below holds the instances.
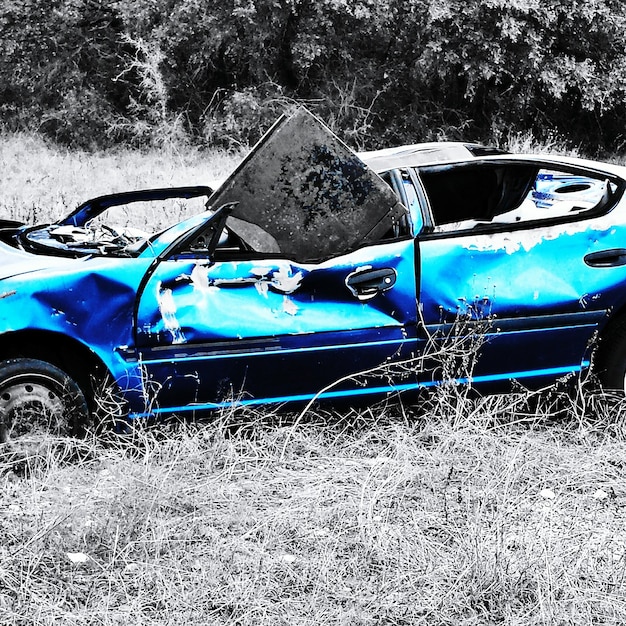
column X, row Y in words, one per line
column 312, row 272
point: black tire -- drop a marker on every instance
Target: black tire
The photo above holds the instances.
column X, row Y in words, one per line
column 611, row 361
column 37, row 397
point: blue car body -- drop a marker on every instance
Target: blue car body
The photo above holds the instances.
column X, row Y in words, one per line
column 294, row 284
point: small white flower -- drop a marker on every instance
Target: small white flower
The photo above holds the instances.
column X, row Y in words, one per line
column 547, row 494
column 600, row 494
column 131, row 567
column 77, row 557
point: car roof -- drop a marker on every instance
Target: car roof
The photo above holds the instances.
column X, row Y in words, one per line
column 301, row 167
column 425, row 153
column 440, row 152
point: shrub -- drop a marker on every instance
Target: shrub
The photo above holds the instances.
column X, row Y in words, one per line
column 88, row 73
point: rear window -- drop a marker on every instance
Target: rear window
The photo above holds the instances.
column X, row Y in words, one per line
column 464, row 197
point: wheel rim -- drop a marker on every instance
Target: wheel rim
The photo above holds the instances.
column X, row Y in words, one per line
column 32, row 404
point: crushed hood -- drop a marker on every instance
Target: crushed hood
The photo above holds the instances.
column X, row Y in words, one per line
column 310, row 192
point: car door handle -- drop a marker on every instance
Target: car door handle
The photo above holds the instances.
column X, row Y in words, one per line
column 367, row 282
column 607, row 258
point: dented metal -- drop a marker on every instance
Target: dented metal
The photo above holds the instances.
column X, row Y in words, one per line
column 311, row 272
column 309, row 192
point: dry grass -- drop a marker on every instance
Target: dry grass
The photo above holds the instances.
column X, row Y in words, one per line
column 526, row 143
column 474, row 511
column 377, row 517
column 42, row 183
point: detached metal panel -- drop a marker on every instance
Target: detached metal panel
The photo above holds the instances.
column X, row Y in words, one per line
column 310, row 192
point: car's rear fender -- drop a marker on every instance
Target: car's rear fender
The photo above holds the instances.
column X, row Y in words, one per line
column 603, row 343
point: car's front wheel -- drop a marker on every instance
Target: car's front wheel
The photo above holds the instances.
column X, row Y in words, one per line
column 37, row 397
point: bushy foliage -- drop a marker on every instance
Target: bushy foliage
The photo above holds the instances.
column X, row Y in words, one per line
column 59, row 62
column 379, row 71
column 538, row 65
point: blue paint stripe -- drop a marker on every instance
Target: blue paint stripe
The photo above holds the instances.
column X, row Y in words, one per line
column 262, row 352
column 553, row 371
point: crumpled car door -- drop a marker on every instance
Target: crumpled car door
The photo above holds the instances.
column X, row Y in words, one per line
column 533, row 293
column 276, row 330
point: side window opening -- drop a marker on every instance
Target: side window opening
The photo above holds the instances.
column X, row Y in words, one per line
column 402, row 226
column 464, row 198
column 412, row 203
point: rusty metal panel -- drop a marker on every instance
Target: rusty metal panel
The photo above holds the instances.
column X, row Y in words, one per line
column 310, row 192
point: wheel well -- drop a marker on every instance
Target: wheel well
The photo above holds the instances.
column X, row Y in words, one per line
column 615, row 325
column 68, row 354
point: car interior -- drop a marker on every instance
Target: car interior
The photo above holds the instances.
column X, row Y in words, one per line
column 481, row 195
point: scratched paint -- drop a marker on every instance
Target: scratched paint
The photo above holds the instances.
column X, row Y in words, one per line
column 167, row 308
column 526, row 239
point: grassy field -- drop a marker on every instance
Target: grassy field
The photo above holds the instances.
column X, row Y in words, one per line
column 40, row 183
column 501, row 510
